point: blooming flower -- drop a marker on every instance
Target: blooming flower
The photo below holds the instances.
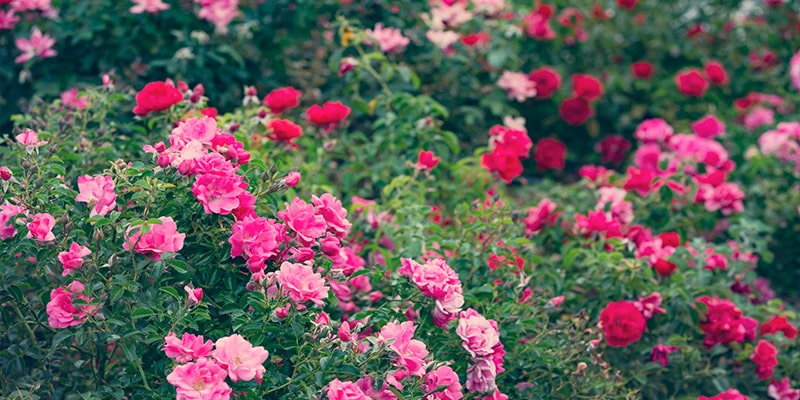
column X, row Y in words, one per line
column 779, row 324
column 782, row 390
column 443, row 376
column 203, row 379
column 329, row 115
column 195, row 295
column 39, row 45
column 765, row 357
column 189, row 348
column 218, row 194
column 41, row 226
column 159, row 239
column 623, row 323
column 724, row 323
column 156, row 96
column 426, row 160
column 730, row 394
column 97, row 191
column 478, row 334
column 282, row 99
column 151, row 6
column 218, row 12
column 660, row 352
column 338, row 390
column 300, row 283
column 243, row 361
column 69, row 98
column 518, row 86
column 410, row 352
column 72, row 259
column 389, row 39
column 61, row 312
column 550, row 154
column 334, row 214
column 304, row 220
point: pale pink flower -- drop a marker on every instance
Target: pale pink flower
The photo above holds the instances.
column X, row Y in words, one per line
column 70, row 99
column 445, row 16
column 61, row 313
column 794, row 70
column 73, row 259
column 159, row 239
column 300, row 283
column 218, row 12
column 389, row 39
column 335, row 215
column 8, row 19
column 194, row 295
column 45, row 6
column 201, row 129
column 518, row 86
column 410, row 352
column 442, row 376
column 613, row 199
column 29, row 138
column 478, row 334
column 488, row 6
column 40, row 228
column 303, row 219
column 442, row 39
column 151, row 6
column 481, row 376
column 243, row 361
column 516, row 123
column 189, row 348
column 759, row 116
column 446, row 309
column 778, row 143
column 654, row 130
column 97, row 192
column 203, row 379
column 38, row 45
column 219, row 194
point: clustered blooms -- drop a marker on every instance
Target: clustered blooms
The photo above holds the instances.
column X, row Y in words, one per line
column 218, row 12
column 724, row 323
column 481, row 338
column 389, row 39
column 507, row 146
column 204, row 365
column 410, row 353
column 782, row 142
column 436, row 280
column 62, row 313
column 543, row 215
column 577, row 109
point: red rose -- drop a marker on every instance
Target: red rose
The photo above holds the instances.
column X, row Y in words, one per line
column 640, row 180
column 282, row 99
column 642, row 69
column 504, row 161
column 586, row 87
column 765, row 357
column 716, row 73
column 547, row 81
column 691, row 83
column 627, row 4
column 329, row 115
column 474, row 39
column 613, row 149
column 156, row 96
column 671, row 239
column 623, row 323
column 283, row 130
column 549, row 154
column 664, row 267
column 779, row 324
column 575, row 110
column 730, row 394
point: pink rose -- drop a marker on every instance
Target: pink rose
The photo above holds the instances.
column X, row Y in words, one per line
column 243, row 361
column 61, row 313
column 189, row 348
column 303, row 219
column 159, row 239
column 477, row 332
column 481, row 376
column 335, row 215
column 98, row 192
column 40, row 228
column 200, row 380
column 300, row 283
column 338, row 390
column 73, row 259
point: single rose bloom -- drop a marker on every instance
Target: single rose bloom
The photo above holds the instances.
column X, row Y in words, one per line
column 623, row 323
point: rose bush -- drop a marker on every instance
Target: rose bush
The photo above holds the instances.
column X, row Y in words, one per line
column 350, row 237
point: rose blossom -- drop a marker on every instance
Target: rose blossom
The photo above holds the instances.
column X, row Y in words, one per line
column 41, row 226
column 301, row 283
column 97, row 191
column 189, row 348
column 243, row 361
column 200, row 380
column 623, row 323
column 61, row 313
column 72, row 259
column 304, row 220
column 159, row 239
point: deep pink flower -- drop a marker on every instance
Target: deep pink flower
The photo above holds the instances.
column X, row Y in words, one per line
column 40, row 228
column 410, row 352
column 156, row 96
column 304, row 220
column 708, row 127
column 654, row 130
column 159, row 239
column 300, row 283
column 724, row 323
column 443, row 376
column 203, row 379
column 61, row 312
column 72, row 259
column 98, row 193
column 779, row 324
column 189, row 348
column 623, row 323
column 194, row 295
column 426, row 160
column 335, row 215
column 782, row 390
column 7, row 214
column 219, row 194
column 256, row 237
column 691, row 82
column 38, row 45
column 660, row 352
column 765, row 357
column 329, row 115
column 338, row 390
column 8, row 19
column 730, row 394
column 544, row 214
column 292, row 179
column 243, row 361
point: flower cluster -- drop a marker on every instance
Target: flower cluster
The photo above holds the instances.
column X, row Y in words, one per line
column 436, row 280
column 481, row 339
